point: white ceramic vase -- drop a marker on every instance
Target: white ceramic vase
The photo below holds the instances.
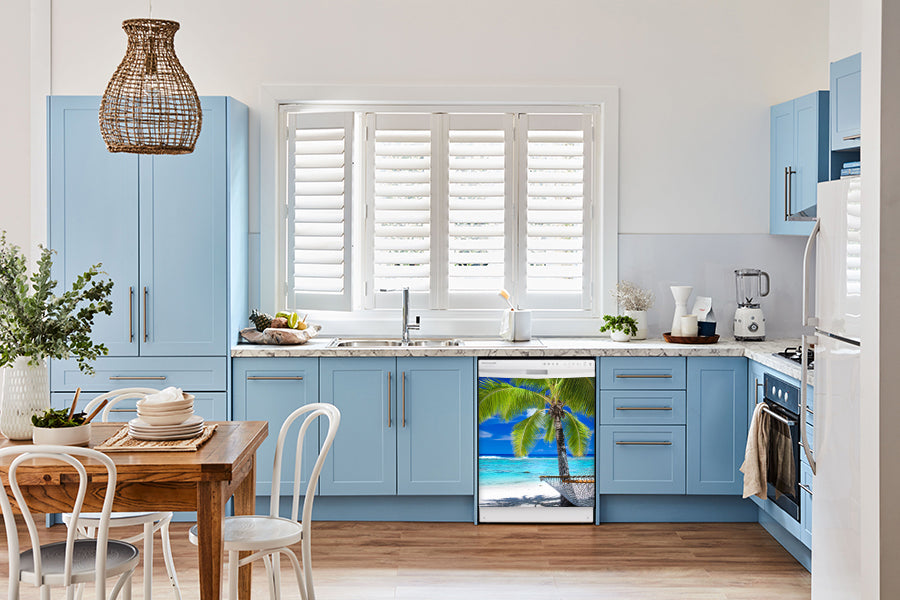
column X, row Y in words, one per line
column 681, row 293
column 26, row 392
column 641, row 317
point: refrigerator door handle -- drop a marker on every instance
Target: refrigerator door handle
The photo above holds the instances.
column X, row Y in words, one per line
column 809, row 323
column 808, row 337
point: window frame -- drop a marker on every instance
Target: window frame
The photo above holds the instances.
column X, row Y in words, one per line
column 271, row 290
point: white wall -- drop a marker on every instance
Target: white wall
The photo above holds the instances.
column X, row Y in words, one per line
column 845, row 25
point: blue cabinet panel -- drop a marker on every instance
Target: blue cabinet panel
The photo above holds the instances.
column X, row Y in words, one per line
column 716, row 424
column 756, row 374
column 642, row 373
column 651, row 407
column 645, row 459
column 93, row 214
column 806, row 492
column 363, row 459
column 270, row 389
column 183, row 237
column 435, row 438
column 207, row 374
column 846, row 102
column 212, row 406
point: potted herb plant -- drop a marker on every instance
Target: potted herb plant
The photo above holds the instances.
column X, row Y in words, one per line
column 620, row 327
column 35, row 325
column 634, row 302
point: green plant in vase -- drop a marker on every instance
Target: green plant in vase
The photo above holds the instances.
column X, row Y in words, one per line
column 620, row 327
column 36, row 325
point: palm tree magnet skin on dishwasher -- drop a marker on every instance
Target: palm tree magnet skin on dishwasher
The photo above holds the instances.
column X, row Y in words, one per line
column 536, row 440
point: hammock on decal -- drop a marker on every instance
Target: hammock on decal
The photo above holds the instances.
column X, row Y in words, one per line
column 577, row 489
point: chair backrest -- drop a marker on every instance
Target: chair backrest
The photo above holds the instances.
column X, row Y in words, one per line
column 67, row 455
column 312, row 412
column 115, row 397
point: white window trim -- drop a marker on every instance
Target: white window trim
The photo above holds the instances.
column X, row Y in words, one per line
column 605, row 216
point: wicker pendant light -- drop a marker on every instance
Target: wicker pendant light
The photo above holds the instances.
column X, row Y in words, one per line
column 150, row 105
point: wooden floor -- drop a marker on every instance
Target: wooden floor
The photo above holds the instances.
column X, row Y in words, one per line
column 444, row 561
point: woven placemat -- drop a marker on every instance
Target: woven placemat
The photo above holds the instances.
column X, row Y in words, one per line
column 122, row 442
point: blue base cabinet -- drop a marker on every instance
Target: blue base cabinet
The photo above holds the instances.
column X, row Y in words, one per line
column 407, row 426
column 270, row 389
column 716, row 424
column 645, row 459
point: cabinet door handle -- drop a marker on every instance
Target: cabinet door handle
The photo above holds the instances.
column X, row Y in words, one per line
column 643, row 408
column 404, row 398
column 643, row 376
column 274, row 378
column 643, row 443
column 756, row 392
column 847, row 138
column 390, row 421
column 787, row 184
column 130, row 314
column 145, row 313
column 137, row 377
column 809, row 410
column 804, row 487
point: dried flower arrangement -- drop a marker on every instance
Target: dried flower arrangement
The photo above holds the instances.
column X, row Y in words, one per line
column 631, row 297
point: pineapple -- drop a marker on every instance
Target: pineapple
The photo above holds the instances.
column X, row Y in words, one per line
column 260, row 319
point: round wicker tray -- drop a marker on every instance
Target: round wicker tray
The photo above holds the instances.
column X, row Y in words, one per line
column 673, row 339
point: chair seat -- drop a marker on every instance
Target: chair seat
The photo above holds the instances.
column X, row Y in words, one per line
column 256, row 532
column 119, row 519
column 120, row 556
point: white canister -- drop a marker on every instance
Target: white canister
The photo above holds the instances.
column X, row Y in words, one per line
column 515, row 326
column 640, row 317
column 689, row 326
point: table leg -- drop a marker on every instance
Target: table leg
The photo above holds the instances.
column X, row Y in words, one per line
column 210, row 509
column 245, row 504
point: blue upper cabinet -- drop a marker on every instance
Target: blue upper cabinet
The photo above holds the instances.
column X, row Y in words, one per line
column 93, row 214
column 183, row 237
column 799, row 159
column 436, row 433
column 164, row 227
column 716, row 424
column 845, row 103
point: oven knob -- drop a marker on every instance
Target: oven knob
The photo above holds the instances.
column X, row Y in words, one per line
column 779, row 393
column 773, row 390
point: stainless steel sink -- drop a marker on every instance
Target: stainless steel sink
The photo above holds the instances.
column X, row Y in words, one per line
column 387, row 343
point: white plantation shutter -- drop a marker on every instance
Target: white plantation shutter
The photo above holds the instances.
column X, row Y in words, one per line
column 399, row 202
column 319, row 191
column 480, row 208
column 555, row 184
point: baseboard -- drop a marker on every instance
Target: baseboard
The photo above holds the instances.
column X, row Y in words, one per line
column 795, row 547
column 675, row 509
column 383, row 508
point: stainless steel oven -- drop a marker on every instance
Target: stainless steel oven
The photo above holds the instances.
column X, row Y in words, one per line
column 782, row 401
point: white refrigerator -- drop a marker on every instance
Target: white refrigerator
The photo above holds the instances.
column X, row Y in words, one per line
column 834, row 328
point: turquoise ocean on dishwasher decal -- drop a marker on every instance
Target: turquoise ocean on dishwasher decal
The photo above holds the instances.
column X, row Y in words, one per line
column 526, row 426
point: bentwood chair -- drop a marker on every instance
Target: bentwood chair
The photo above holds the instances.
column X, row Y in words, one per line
column 269, row 537
column 75, row 561
column 152, row 522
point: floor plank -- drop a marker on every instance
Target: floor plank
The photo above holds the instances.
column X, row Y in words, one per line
column 461, row 561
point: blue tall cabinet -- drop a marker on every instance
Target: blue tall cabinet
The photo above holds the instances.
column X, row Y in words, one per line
column 171, row 232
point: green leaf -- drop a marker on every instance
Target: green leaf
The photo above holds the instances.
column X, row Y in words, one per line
column 578, row 435
column 528, row 431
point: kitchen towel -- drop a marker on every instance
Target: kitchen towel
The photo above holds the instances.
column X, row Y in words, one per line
column 755, row 467
column 780, row 457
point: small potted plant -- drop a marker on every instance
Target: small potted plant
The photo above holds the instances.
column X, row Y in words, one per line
column 634, row 302
column 620, row 327
column 59, row 427
column 36, row 324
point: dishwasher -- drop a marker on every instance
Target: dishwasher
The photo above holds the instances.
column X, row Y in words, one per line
column 536, row 428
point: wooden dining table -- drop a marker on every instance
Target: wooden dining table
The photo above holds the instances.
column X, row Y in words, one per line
column 201, row 481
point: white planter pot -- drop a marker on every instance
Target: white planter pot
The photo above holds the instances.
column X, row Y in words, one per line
column 26, row 392
column 641, row 317
column 619, row 336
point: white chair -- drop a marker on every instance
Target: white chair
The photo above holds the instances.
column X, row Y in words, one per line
column 269, row 537
column 75, row 561
column 152, row 522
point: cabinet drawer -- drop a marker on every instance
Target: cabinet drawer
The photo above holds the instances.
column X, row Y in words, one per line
column 642, row 373
column 204, row 374
column 630, row 407
column 641, row 460
column 212, row 406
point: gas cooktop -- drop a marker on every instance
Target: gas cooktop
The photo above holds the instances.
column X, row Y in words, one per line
column 793, row 353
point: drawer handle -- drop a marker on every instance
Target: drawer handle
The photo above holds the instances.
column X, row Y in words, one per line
column 137, row 377
column 128, row 410
column 274, row 378
column 847, row 138
column 643, row 443
column 644, row 376
column 803, row 487
column 643, row 408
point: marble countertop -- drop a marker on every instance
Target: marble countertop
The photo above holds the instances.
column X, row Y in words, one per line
column 761, row 352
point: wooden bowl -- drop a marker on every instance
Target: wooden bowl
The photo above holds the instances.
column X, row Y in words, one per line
column 674, row 339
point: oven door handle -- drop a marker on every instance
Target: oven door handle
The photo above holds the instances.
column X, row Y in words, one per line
column 778, row 417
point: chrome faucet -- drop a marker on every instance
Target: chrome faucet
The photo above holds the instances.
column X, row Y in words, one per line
column 404, row 299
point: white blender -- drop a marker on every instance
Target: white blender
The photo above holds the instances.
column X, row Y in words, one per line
column 749, row 321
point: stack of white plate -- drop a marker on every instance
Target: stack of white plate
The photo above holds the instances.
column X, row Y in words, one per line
column 168, row 415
